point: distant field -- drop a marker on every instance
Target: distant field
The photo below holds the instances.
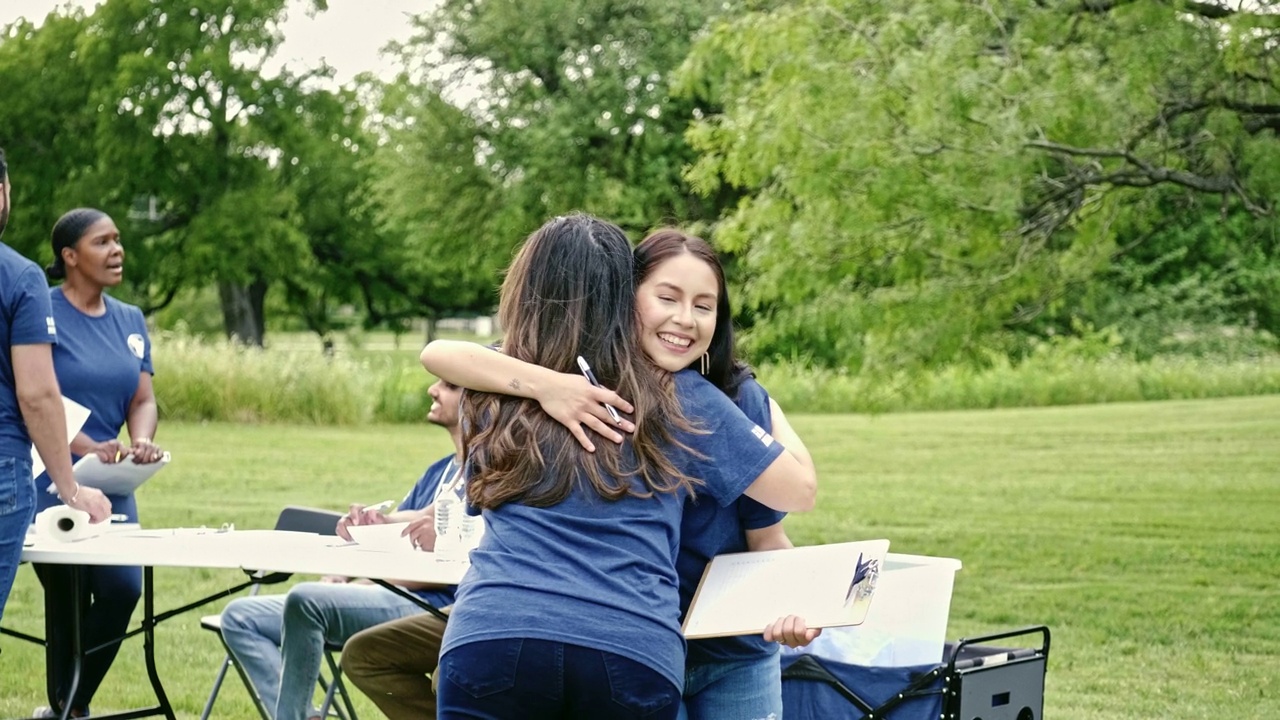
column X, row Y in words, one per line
column 1144, row 535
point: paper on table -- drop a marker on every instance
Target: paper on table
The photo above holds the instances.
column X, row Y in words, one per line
column 119, row 478
column 76, row 414
column 384, row 537
column 827, row 585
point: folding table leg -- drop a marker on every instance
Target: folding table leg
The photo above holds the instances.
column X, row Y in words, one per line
column 149, row 642
column 63, row 598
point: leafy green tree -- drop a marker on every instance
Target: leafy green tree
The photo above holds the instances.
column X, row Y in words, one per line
column 571, row 102
column 929, row 181
column 192, row 123
column 447, row 231
column 46, row 124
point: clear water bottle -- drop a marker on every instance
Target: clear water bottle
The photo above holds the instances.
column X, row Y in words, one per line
column 470, row 530
column 450, row 513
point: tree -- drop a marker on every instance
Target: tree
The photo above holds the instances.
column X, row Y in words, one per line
column 47, row 123
column 192, row 121
column 928, row 181
column 441, row 213
column 570, row 103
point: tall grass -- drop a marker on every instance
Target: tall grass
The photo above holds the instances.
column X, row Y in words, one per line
column 1034, row 383
column 218, row 380
column 294, row 383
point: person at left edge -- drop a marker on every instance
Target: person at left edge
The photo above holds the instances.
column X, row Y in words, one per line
column 103, row 361
column 30, row 402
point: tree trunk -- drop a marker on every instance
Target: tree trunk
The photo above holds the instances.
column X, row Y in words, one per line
column 431, row 328
column 242, row 311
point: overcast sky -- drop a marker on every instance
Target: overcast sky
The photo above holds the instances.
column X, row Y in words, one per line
column 349, row 35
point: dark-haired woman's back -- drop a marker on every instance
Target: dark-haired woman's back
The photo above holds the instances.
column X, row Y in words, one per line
column 595, row 574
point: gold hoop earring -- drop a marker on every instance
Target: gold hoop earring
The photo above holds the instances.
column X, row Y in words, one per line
column 705, row 363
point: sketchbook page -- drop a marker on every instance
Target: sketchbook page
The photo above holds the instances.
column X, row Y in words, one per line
column 119, row 478
column 827, row 585
column 384, row 537
column 77, row 415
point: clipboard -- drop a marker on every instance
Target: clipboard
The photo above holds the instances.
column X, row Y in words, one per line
column 77, row 415
column 827, row 585
column 119, row 478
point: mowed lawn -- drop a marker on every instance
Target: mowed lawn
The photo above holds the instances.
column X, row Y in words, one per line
column 1147, row 536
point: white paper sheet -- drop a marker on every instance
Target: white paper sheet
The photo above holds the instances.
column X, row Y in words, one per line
column 77, row 415
column 383, row 538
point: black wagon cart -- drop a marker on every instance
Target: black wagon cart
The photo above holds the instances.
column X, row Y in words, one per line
column 976, row 681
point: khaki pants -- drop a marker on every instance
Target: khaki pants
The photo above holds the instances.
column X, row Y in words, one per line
column 391, row 662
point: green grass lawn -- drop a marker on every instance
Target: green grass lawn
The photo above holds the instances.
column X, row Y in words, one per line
column 1144, row 535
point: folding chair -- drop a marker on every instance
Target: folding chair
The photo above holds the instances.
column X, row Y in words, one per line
column 296, row 519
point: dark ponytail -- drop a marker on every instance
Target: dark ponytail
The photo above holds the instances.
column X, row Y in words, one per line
column 66, row 233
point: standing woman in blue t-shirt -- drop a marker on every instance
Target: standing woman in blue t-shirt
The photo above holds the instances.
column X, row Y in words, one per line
column 685, row 322
column 571, row 605
column 103, row 361
column 30, row 406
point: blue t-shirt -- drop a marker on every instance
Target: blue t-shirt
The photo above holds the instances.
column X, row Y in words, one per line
column 421, row 495
column 601, row 574
column 25, row 319
column 99, row 361
column 708, row 529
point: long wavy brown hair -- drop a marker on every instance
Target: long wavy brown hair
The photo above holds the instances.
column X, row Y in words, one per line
column 570, row 291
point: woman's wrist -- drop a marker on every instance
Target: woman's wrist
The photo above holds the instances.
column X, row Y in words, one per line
column 74, row 496
column 139, row 441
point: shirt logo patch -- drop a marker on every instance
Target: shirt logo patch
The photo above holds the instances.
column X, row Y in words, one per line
column 53, row 328
column 764, row 437
column 137, row 345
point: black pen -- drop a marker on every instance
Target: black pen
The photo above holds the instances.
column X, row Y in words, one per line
column 586, row 370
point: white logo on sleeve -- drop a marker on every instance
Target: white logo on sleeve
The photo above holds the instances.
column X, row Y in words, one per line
column 765, row 437
column 137, row 345
column 52, row 327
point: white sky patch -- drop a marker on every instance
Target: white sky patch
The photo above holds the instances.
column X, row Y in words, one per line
column 350, row 35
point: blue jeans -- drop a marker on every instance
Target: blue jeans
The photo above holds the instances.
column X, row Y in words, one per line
column 279, row 640
column 17, row 500
column 525, row 679
column 736, row 690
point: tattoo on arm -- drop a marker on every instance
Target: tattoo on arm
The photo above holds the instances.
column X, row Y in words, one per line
column 514, row 384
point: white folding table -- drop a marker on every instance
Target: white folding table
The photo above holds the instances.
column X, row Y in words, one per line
column 249, row 550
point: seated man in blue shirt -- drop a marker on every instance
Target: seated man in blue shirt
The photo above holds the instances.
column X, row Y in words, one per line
column 279, row 640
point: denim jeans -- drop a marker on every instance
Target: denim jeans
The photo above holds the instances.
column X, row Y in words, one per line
column 736, row 690
column 278, row 640
column 525, row 679
column 17, row 500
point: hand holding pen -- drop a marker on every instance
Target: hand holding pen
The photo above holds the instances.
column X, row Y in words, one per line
column 359, row 514
column 593, row 406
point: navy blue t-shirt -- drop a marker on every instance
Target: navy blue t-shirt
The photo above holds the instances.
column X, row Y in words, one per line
column 708, row 529
column 25, row 319
column 99, row 361
column 422, row 494
column 601, row 574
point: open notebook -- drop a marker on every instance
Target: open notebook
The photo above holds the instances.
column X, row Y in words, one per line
column 827, row 585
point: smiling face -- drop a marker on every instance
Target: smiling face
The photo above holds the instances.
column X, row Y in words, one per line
column 677, row 305
column 444, row 403
column 98, row 256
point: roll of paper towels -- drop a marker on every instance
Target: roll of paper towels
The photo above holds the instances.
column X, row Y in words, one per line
column 65, row 524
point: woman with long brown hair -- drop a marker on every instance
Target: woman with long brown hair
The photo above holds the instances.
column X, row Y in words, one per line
column 685, row 321
column 571, row 605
